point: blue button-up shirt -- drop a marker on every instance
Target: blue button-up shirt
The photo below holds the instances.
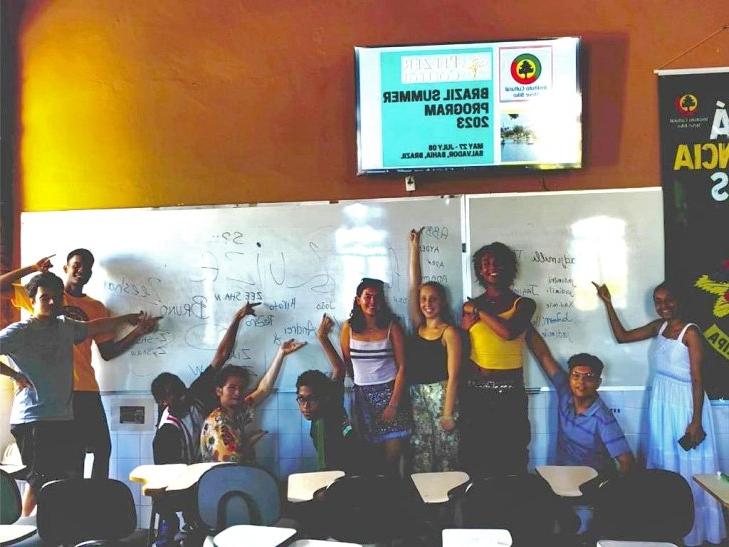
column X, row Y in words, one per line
column 593, row 437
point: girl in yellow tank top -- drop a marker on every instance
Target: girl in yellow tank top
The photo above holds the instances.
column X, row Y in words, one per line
column 495, row 430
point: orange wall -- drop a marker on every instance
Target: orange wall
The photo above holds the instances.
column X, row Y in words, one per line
column 178, row 102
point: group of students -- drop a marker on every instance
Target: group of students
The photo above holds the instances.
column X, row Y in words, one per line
column 447, row 396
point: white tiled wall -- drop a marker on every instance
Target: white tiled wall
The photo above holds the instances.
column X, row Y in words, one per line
column 288, row 449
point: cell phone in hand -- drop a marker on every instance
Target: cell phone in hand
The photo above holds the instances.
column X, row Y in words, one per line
column 685, row 442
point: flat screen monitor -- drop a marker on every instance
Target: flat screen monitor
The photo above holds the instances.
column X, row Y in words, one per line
column 474, row 105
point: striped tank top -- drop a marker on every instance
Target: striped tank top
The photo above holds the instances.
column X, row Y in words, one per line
column 372, row 362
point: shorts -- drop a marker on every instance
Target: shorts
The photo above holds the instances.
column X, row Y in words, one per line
column 369, row 403
column 48, row 450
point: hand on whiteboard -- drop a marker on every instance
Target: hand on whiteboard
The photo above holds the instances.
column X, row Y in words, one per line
column 147, row 324
column 603, row 293
column 44, row 264
column 415, row 237
column 290, row 346
column 325, row 326
column 248, row 309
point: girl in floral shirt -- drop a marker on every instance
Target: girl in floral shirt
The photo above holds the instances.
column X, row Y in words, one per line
column 224, row 437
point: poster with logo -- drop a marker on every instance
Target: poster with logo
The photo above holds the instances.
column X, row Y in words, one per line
column 694, row 126
column 469, row 105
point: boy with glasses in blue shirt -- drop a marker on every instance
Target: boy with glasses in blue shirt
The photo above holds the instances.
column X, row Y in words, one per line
column 588, row 433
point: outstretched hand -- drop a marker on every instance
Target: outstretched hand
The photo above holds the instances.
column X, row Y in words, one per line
column 415, row 236
column 325, row 326
column 290, row 346
column 603, row 293
column 44, row 264
column 147, row 323
column 248, row 309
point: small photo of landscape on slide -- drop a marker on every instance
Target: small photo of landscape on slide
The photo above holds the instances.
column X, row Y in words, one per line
column 518, row 138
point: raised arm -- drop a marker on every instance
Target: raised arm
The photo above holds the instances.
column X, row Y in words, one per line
column 110, row 324
column 265, row 386
column 398, row 347
column 322, row 335
column 695, row 428
column 344, row 344
column 621, row 334
column 113, row 348
column 227, row 343
column 541, row 352
column 507, row 329
column 415, row 279
column 454, row 350
column 43, row 265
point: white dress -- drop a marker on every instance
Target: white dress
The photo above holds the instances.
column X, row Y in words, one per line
column 670, row 411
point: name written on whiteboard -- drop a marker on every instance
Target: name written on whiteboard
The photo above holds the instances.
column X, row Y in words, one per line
column 565, row 260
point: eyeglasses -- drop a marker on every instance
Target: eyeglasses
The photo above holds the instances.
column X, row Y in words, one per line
column 587, row 376
column 311, row 399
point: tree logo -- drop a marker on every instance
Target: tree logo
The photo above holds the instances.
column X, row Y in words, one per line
column 526, row 69
column 687, row 105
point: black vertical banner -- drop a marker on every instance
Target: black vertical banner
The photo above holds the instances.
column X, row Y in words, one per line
column 694, row 128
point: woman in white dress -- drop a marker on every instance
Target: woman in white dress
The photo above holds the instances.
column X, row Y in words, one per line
column 679, row 408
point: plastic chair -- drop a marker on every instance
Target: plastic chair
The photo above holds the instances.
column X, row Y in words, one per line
column 525, row 505
column 650, row 505
column 237, row 494
column 369, row 509
column 95, row 511
column 12, row 530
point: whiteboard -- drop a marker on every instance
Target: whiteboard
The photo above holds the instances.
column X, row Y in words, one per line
column 196, row 266
column 565, row 240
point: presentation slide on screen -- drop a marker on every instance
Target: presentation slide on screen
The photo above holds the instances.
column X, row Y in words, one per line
column 469, row 105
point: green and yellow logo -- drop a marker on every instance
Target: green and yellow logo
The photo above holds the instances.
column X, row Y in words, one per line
column 687, row 105
column 526, row 69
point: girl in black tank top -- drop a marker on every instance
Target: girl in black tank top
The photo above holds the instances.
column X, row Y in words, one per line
column 434, row 359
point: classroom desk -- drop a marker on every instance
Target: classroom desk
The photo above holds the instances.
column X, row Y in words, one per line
column 302, row 486
column 156, row 480
column 246, row 534
column 13, row 533
column 12, row 468
column 615, row 543
column 565, row 480
column 457, row 537
column 321, row 543
column 716, row 486
column 434, row 487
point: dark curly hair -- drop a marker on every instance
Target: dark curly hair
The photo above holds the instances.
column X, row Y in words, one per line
column 221, row 378
column 384, row 314
column 84, row 254
column 503, row 254
column 586, row 360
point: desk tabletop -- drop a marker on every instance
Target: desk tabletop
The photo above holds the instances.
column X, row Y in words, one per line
column 157, row 479
column 616, row 543
column 154, row 478
column 11, row 468
column 453, row 537
column 716, row 486
column 301, row 486
column 12, row 533
column 434, row 487
column 565, row 480
column 247, row 534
